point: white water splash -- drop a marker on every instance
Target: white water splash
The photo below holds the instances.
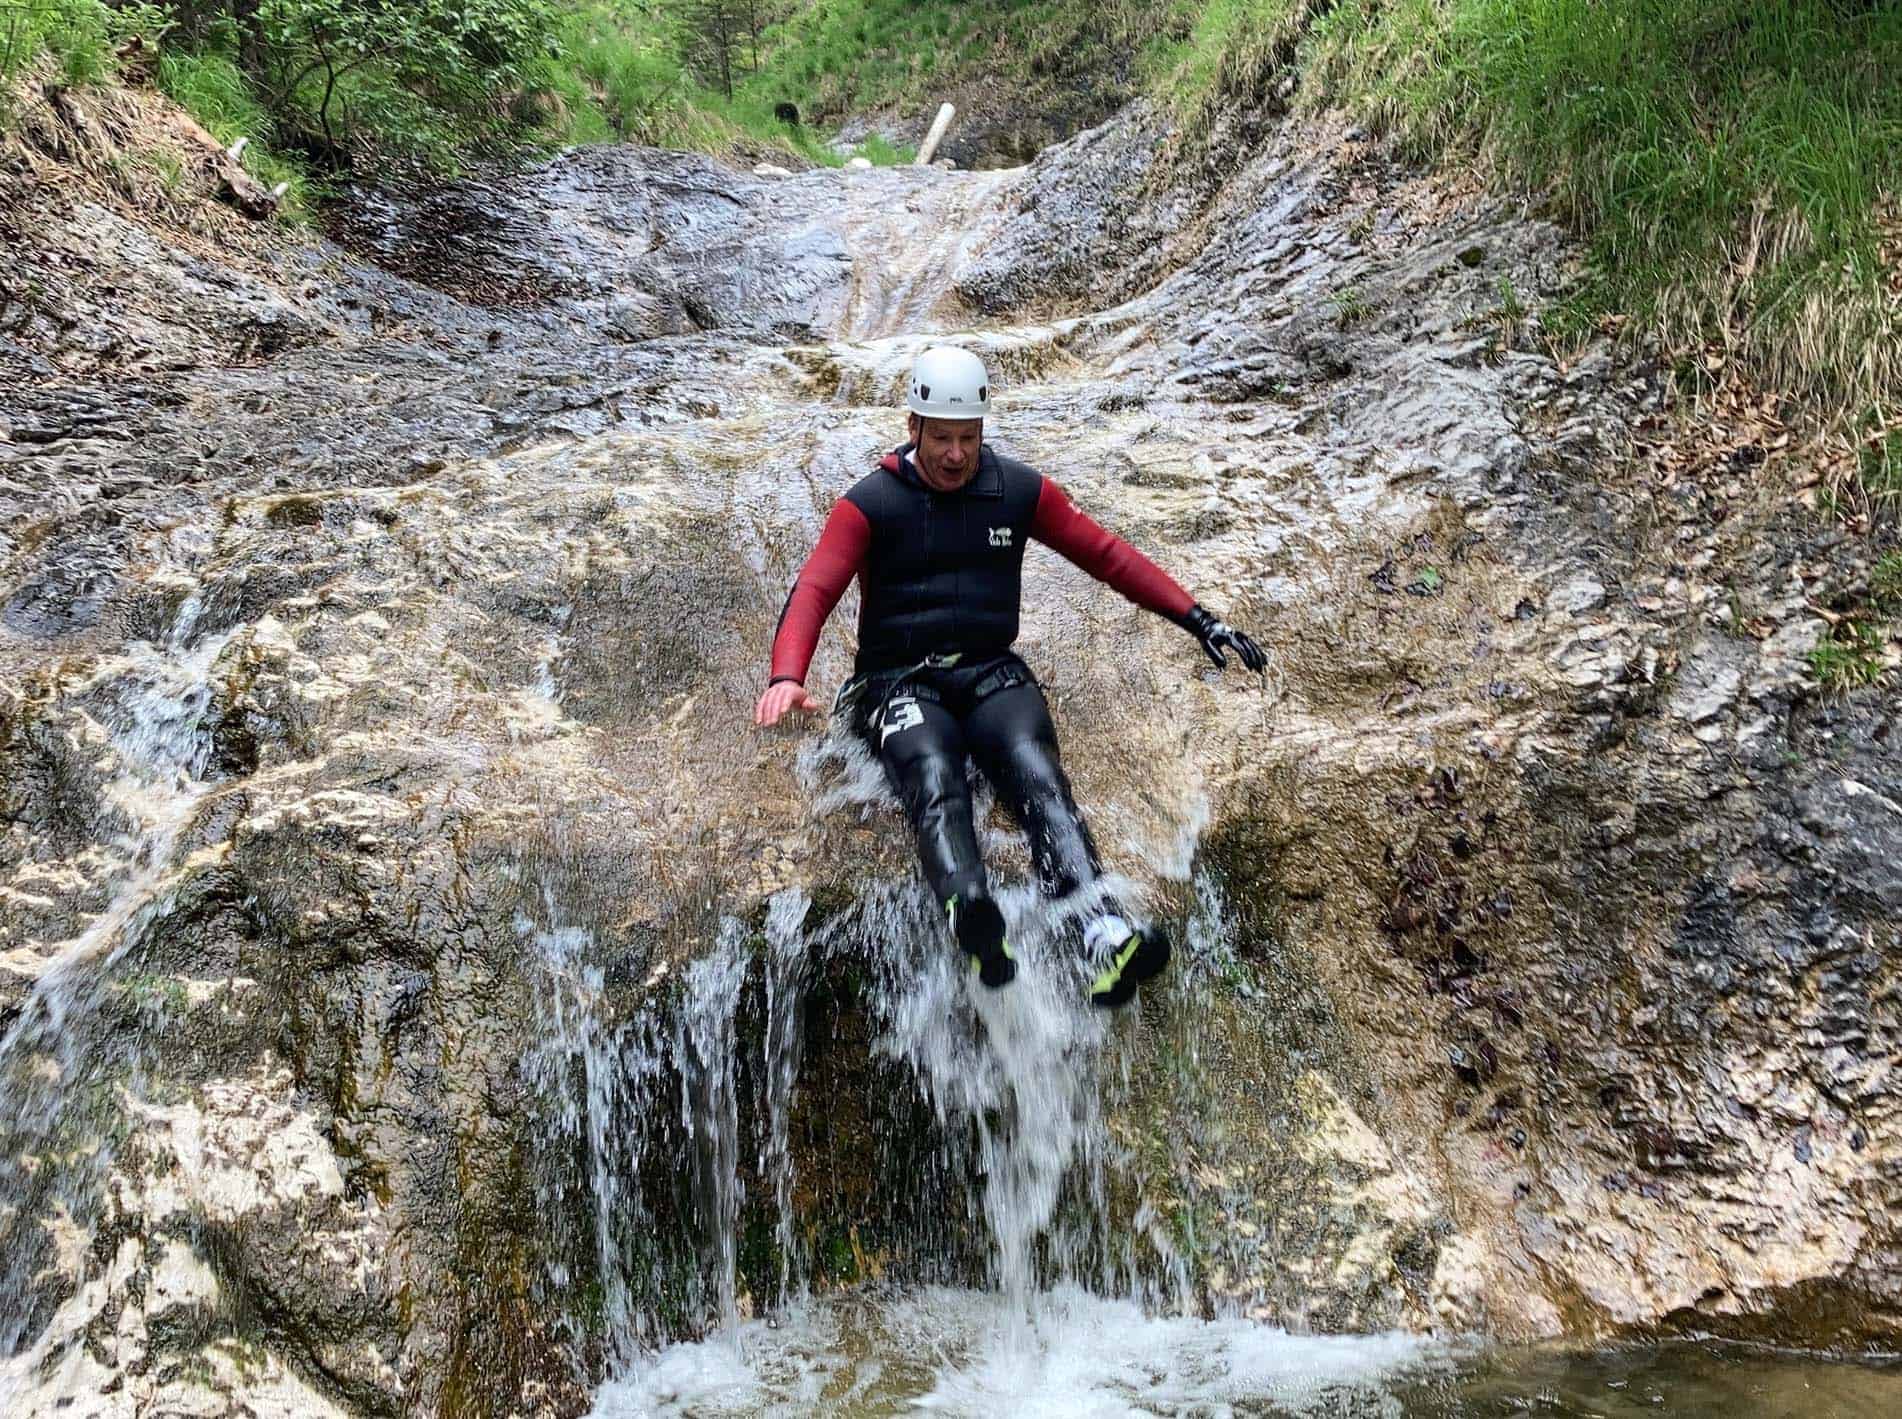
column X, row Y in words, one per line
column 837, row 770
column 1016, row 1069
column 964, row 1353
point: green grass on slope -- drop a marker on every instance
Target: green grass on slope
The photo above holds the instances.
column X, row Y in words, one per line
column 1736, row 165
column 81, row 35
column 832, row 55
column 210, row 88
column 613, row 69
column 1216, row 50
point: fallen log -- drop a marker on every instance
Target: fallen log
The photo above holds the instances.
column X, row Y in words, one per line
column 235, row 186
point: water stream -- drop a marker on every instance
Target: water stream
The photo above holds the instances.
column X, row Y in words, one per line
column 71, row 1060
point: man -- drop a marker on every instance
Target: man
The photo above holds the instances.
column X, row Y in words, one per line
column 936, row 537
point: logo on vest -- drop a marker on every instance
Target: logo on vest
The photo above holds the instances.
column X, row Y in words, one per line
column 1000, row 536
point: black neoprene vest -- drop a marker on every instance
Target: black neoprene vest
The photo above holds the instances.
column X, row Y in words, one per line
column 944, row 571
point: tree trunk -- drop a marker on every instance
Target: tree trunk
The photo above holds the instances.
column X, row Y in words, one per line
column 250, row 36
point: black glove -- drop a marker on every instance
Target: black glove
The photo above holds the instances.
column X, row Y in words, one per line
column 1215, row 634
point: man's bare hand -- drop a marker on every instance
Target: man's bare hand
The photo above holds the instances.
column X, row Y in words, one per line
column 786, row 695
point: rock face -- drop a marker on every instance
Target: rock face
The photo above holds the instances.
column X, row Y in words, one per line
column 423, row 984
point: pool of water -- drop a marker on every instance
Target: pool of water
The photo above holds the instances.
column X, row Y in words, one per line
column 1071, row 1355
column 1687, row 1378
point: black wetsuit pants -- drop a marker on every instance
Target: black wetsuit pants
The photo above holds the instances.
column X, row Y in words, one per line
column 927, row 722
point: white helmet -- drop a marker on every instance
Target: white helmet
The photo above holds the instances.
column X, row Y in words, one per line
column 949, row 383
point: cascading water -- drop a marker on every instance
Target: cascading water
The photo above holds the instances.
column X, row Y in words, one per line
column 657, row 1144
column 1016, row 1081
column 641, row 1126
column 1015, row 1069
column 1014, row 1085
column 64, row 1067
column 590, row 1077
column 787, row 959
column 707, row 1049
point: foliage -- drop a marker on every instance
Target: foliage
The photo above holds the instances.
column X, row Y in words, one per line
column 22, row 32
column 1732, row 163
column 1227, row 50
column 835, row 57
column 1351, row 306
column 421, row 75
column 83, row 36
column 625, row 65
column 1880, row 464
column 880, row 151
column 723, row 40
column 342, row 80
column 1854, row 651
column 212, row 89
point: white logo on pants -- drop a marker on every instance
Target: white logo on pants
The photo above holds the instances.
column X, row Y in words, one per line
column 901, row 713
column 1000, row 536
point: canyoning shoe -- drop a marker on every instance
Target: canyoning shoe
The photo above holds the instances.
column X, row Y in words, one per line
column 1128, row 956
column 978, row 928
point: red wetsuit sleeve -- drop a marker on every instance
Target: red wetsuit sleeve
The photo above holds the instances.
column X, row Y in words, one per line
column 1105, row 556
column 821, row 582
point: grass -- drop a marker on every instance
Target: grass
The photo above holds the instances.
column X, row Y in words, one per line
column 1885, row 584
column 1733, row 164
column 80, row 35
column 1351, row 306
column 834, row 56
column 1850, row 655
column 1853, row 651
column 621, row 75
column 1879, row 465
column 211, row 89
column 1210, row 54
column 882, row 152
column 84, row 37
column 837, row 57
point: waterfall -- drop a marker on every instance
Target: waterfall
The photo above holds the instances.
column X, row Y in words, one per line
column 707, row 1049
column 1014, row 1069
column 1018, row 1083
column 787, row 959
column 64, row 1065
column 641, row 1128
column 647, row 1197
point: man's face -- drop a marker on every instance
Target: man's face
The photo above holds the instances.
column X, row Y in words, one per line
column 946, row 452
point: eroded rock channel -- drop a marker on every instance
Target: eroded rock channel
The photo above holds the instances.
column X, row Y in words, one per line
column 426, row 993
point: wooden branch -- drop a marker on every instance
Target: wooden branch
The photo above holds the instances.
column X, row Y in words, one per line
column 235, row 185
